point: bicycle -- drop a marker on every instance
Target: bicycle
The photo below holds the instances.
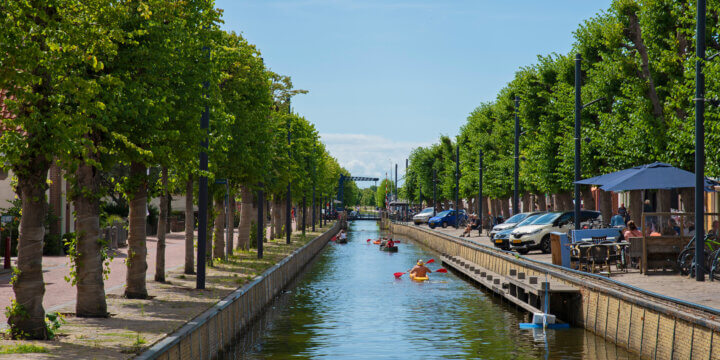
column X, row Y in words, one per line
column 686, row 259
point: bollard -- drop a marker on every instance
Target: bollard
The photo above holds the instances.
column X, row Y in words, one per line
column 7, row 252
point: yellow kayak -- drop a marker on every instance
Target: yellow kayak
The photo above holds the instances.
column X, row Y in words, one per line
column 418, row 278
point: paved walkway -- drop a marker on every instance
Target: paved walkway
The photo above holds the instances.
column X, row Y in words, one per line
column 680, row 287
column 60, row 293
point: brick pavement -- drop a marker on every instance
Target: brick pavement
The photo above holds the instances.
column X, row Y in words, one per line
column 704, row 293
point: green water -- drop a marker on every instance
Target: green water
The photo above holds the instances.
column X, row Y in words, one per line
column 348, row 305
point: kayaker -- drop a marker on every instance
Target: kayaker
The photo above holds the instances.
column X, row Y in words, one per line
column 390, row 243
column 419, row 270
column 343, row 235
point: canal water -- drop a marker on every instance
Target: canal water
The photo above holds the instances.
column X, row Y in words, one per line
column 348, row 305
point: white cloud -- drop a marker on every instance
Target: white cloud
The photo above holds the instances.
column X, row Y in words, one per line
column 369, row 155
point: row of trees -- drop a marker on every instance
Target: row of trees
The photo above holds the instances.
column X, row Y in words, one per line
column 94, row 85
column 638, row 56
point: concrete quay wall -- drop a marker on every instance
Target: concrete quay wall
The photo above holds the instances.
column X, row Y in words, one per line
column 206, row 335
column 648, row 324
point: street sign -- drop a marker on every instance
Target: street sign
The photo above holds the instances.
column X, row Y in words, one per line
column 221, row 181
column 6, row 219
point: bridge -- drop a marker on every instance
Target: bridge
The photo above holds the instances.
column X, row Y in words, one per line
column 375, row 216
column 342, row 180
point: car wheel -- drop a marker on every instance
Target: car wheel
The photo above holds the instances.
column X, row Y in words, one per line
column 522, row 251
column 432, row 226
column 444, row 224
column 545, row 244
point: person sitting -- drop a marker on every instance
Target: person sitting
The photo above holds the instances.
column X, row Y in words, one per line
column 632, row 230
column 617, row 220
column 390, row 243
column 473, row 224
column 343, row 235
column 419, row 270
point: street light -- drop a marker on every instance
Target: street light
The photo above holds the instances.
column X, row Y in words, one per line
column 480, row 184
column 457, row 185
column 203, row 191
column 517, row 154
column 434, row 192
column 700, row 142
column 578, row 110
column 288, row 205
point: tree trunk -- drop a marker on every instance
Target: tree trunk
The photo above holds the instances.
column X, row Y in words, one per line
column 526, row 202
column 189, row 228
column 230, row 227
column 162, row 224
column 90, row 285
column 588, row 199
column 663, row 200
column 635, row 33
column 636, row 206
column 219, row 237
column 29, row 286
column 277, row 217
column 505, row 206
column 210, row 230
column 605, row 200
column 688, row 199
column 541, row 202
column 137, row 246
column 304, row 218
column 565, row 202
column 246, row 216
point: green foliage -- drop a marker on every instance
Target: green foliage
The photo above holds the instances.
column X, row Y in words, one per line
column 22, row 349
column 106, row 255
column 384, row 189
column 54, row 322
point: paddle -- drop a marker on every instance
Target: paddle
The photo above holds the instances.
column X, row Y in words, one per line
column 399, row 274
column 369, row 240
column 441, row 270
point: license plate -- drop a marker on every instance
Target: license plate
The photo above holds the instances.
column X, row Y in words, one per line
column 516, row 241
column 498, row 241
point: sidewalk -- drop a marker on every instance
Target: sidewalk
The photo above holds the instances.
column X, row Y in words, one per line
column 672, row 285
column 136, row 324
column 60, row 294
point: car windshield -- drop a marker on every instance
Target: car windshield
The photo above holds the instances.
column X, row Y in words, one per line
column 515, row 219
column 546, row 219
column 529, row 220
column 444, row 213
column 426, row 210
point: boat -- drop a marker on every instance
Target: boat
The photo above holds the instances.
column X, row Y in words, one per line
column 389, row 248
column 342, row 241
column 419, row 278
column 376, row 242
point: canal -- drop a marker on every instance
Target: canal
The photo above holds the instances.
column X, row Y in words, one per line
column 347, row 304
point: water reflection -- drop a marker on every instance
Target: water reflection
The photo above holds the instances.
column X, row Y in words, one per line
column 348, row 305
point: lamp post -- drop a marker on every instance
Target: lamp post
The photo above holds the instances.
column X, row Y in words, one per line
column 260, row 223
column 700, row 142
column 434, row 192
column 313, row 192
column 578, row 111
column 288, row 198
column 517, row 157
column 457, row 185
column 480, row 184
column 203, row 192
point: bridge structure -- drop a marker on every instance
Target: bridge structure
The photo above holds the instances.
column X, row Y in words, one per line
column 343, row 178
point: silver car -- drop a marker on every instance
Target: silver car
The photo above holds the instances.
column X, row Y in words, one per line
column 423, row 216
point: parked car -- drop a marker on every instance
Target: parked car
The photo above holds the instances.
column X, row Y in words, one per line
column 501, row 239
column 446, row 218
column 423, row 216
column 510, row 223
column 536, row 236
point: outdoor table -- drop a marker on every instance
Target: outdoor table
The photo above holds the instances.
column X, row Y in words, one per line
column 608, row 238
column 620, row 245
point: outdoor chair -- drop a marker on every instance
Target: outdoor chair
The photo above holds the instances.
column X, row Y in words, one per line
column 598, row 255
column 579, row 255
column 614, row 255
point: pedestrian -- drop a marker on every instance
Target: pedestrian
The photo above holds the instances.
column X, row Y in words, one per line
column 292, row 214
column 622, row 211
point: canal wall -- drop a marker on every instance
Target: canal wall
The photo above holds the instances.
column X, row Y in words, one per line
column 645, row 323
column 206, row 335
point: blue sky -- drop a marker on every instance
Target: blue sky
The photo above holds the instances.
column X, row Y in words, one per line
column 386, row 76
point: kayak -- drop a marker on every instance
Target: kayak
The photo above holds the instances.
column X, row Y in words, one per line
column 376, row 242
column 389, row 249
column 342, row 241
column 418, row 278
